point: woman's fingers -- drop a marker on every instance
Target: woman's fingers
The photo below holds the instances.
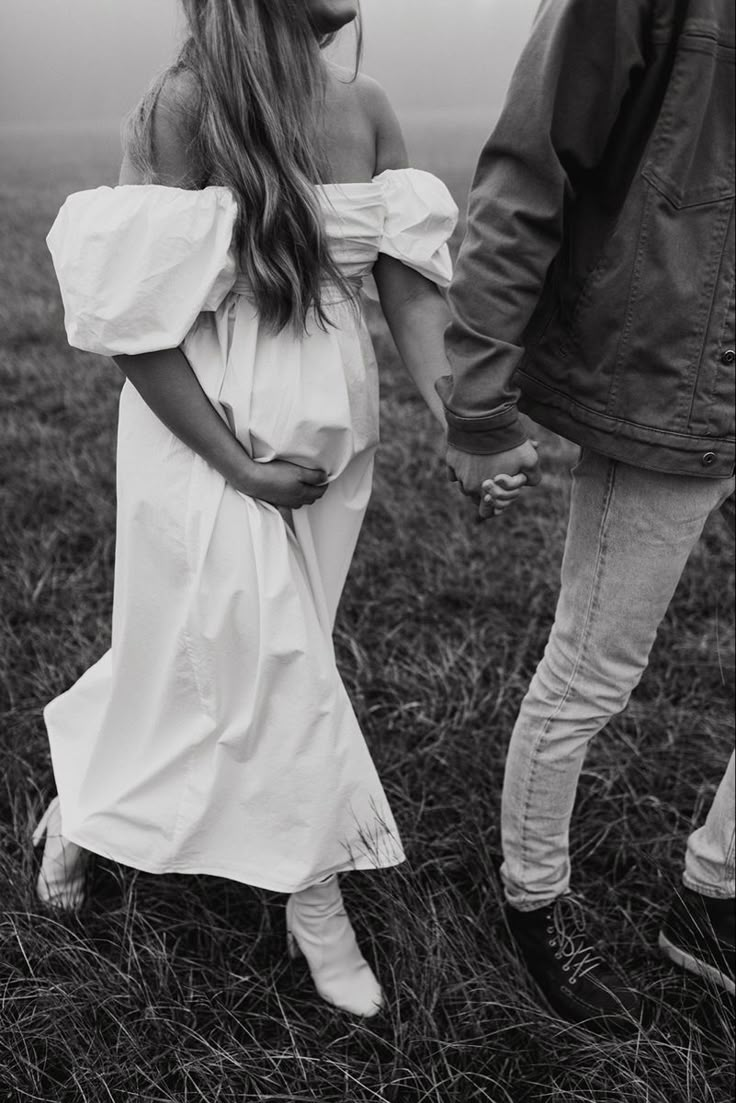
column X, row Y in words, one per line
column 509, row 482
column 314, row 491
column 312, row 483
column 496, row 495
column 312, row 476
column 501, row 500
column 500, row 493
column 499, row 496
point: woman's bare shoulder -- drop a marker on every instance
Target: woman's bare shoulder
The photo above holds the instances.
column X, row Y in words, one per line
column 180, row 95
column 176, row 112
column 172, row 113
column 390, row 146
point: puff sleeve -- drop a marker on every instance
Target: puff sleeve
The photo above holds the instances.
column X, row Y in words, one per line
column 421, row 216
column 136, row 264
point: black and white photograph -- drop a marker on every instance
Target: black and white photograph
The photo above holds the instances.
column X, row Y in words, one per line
column 367, row 645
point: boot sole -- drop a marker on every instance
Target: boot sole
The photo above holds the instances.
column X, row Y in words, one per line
column 621, row 1026
column 694, row 964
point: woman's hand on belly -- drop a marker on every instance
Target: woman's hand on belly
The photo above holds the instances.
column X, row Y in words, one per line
column 284, row 484
column 167, row 384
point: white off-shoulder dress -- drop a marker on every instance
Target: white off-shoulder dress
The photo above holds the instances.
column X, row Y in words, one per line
column 216, row 736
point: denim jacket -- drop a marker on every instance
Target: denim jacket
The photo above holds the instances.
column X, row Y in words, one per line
column 595, row 285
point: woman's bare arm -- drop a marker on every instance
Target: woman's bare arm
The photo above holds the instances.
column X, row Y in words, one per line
column 414, row 309
column 417, row 317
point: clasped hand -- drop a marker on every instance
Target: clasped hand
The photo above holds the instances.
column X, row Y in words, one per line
column 287, row 485
column 494, row 482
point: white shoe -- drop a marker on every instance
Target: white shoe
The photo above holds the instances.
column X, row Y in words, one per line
column 62, row 880
column 318, row 927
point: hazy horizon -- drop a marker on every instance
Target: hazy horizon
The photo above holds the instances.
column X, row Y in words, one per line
column 88, row 61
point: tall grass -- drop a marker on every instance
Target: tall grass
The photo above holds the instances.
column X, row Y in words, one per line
column 178, row 989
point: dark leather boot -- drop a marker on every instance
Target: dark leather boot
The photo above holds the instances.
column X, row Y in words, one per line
column 575, row 981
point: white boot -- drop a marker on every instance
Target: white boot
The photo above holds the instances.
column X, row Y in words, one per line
column 318, row 927
column 62, row 880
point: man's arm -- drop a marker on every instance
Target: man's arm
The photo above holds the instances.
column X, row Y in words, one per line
column 564, row 99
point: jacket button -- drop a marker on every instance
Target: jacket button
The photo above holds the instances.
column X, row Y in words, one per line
column 728, row 357
column 708, row 459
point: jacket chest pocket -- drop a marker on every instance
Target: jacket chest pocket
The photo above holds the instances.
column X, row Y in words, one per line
column 690, row 159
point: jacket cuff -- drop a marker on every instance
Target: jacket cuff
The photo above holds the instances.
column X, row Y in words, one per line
column 497, row 431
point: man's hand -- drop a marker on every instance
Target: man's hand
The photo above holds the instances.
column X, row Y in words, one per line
column 471, row 470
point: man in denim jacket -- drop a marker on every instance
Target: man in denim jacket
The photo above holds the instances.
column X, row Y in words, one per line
column 595, row 291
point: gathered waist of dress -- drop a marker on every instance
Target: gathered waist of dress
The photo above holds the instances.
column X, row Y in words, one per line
column 331, row 293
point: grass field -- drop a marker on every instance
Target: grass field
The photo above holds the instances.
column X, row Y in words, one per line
column 178, row 989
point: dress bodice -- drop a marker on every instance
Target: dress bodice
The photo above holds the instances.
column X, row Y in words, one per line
column 405, row 213
column 137, row 264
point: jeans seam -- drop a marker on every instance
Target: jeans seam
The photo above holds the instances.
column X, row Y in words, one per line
column 592, row 606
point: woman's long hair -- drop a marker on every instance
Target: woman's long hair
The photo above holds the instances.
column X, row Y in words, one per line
column 259, row 80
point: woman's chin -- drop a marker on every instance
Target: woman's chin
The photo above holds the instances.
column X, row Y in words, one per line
column 329, row 16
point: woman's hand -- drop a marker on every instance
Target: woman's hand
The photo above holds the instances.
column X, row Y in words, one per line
column 500, row 493
column 285, row 484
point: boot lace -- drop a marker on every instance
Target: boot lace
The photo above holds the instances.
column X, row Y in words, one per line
column 568, row 927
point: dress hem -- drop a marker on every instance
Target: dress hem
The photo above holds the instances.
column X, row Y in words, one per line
column 241, row 876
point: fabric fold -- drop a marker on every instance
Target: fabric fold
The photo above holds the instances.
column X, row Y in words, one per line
column 420, row 219
column 137, row 264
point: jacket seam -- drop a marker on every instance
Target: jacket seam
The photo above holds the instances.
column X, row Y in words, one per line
column 721, row 230
column 727, row 314
column 470, row 424
column 634, row 283
column 572, row 402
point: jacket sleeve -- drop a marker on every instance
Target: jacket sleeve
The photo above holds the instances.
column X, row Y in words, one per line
column 563, row 101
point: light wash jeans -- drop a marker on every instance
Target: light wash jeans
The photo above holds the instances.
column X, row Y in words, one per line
column 629, row 537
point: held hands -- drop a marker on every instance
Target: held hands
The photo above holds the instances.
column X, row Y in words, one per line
column 285, row 484
column 494, row 482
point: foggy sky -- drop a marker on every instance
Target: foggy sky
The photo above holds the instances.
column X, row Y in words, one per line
column 64, row 61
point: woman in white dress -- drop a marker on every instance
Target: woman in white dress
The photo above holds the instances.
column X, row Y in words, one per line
column 260, row 185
